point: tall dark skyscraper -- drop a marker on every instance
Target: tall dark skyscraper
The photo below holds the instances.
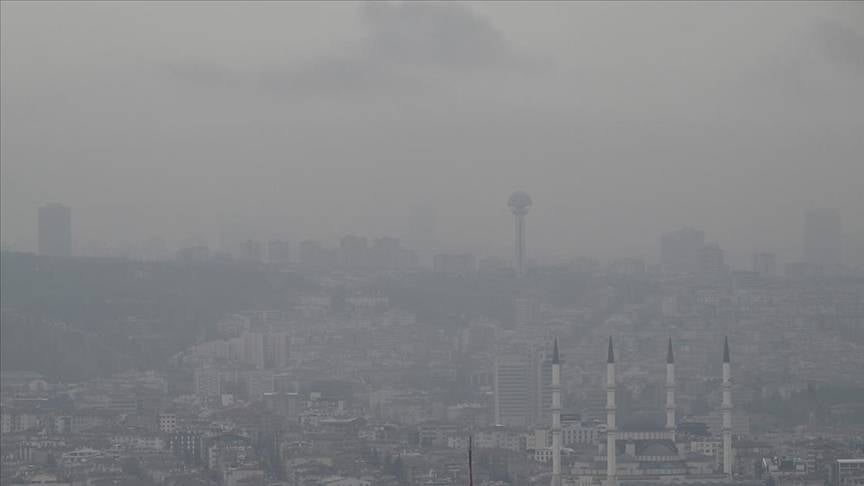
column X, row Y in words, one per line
column 823, row 238
column 55, row 230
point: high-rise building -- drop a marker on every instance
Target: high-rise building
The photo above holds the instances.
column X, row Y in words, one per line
column 252, row 349
column 276, row 349
column 55, row 230
column 513, row 397
column 823, row 239
column 765, row 264
column 681, row 251
column 258, row 382
column 519, row 203
column 713, row 263
column 208, row 382
column 251, row 251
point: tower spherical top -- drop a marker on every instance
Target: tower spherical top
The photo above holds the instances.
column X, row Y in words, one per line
column 519, row 202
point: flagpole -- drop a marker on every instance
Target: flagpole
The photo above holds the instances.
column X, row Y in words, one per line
column 470, row 462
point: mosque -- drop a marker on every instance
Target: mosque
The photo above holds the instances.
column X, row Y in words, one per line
column 644, row 455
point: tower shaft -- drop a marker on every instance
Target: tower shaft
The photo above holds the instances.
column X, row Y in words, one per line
column 519, row 262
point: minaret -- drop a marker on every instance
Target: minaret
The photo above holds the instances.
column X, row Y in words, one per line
column 556, row 416
column 726, row 408
column 670, row 390
column 611, row 429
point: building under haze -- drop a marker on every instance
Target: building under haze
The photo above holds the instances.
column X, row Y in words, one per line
column 513, row 389
column 461, row 265
column 713, row 263
column 55, row 230
column 278, row 251
column 823, row 239
column 681, row 251
column 765, row 264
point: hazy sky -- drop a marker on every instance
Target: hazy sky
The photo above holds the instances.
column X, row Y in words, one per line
column 622, row 120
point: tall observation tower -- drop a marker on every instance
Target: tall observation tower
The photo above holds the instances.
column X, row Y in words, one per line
column 519, row 203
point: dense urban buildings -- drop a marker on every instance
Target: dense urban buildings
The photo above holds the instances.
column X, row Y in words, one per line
column 354, row 364
column 293, row 265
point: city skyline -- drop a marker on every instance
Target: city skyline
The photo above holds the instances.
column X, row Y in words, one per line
column 683, row 249
column 431, row 243
column 413, row 127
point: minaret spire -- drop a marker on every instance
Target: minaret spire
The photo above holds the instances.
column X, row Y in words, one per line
column 726, row 409
column 556, row 416
column 670, row 357
column 611, row 428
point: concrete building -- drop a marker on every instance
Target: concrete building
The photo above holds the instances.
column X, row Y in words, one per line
column 848, row 472
column 713, row 261
column 765, row 264
column 207, row 382
column 252, row 349
column 276, row 349
column 513, row 397
column 167, row 423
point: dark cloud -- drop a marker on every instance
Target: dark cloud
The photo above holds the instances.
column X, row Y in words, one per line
column 841, row 44
column 445, row 34
column 344, row 76
column 404, row 41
